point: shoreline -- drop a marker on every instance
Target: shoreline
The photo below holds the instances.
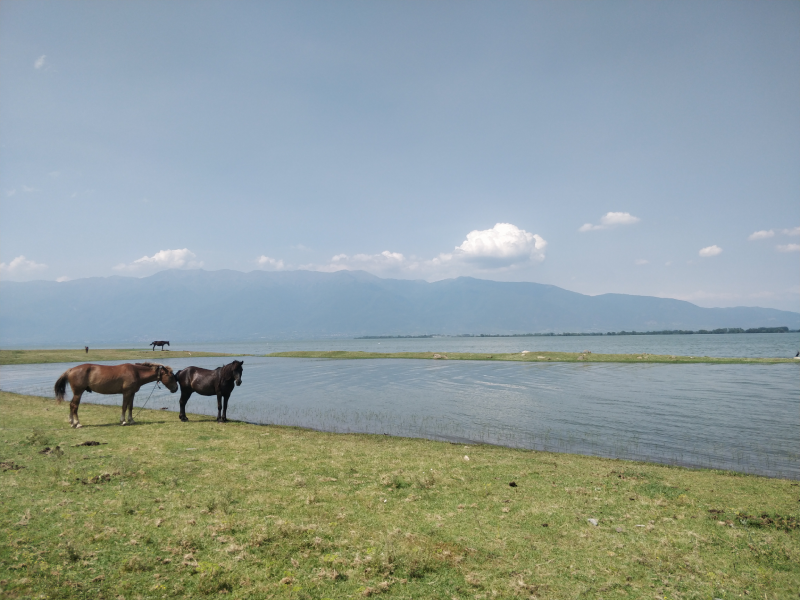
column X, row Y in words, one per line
column 21, row 357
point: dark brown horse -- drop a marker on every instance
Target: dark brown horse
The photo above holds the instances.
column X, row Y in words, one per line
column 218, row 382
column 105, row 379
column 159, row 343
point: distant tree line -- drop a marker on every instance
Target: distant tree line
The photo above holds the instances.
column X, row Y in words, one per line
column 723, row 330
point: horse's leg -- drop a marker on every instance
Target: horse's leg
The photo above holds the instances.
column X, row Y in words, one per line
column 184, row 399
column 127, row 404
column 225, row 408
column 219, row 408
column 73, row 409
column 122, row 416
column 130, row 408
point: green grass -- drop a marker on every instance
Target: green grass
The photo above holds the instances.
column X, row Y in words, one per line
column 193, row 510
column 19, row 357
column 24, row 357
column 536, row 357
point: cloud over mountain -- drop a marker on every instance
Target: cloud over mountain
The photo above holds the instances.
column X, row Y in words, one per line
column 163, row 259
column 504, row 246
column 20, row 264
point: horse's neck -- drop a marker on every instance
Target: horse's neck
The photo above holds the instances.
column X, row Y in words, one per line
column 226, row 374
column 147, row 374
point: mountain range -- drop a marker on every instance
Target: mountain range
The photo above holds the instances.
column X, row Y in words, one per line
column 207, row 306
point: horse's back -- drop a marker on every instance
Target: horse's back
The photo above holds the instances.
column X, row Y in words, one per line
column 104, row 379
column 198, row 380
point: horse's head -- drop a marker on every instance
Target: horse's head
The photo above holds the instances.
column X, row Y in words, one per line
column 167, row 377
column 237, row 371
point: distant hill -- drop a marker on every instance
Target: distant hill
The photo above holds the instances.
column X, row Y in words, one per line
column 197, row 305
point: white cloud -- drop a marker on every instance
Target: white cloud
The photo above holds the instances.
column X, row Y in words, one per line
column 39, row 63
column 21, row 265
column 761, row 235
column 384, row 262
column 270, row 264
column 164, row 259
column 504, row 247
column 501, row 246
column 709, row 251
column 788, row 248
column 795, row 231
column 610, row 219
column 618, row 218
column 640, row 261
column 62, row 279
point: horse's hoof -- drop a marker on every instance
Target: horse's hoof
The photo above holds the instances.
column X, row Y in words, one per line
column 77, row 426
column 123, row 423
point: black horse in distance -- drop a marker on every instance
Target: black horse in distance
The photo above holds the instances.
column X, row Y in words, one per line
column 218, row 382
column 159, row 343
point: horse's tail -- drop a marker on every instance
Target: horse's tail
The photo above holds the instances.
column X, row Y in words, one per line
column 60, row 387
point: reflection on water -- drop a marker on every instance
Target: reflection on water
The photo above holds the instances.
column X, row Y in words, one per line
column 738, row 417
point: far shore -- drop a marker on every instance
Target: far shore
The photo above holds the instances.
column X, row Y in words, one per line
column 22, row 357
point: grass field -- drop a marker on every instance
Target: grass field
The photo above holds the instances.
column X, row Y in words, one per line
column 165, row 509
column 22, row 357
column 538, row 357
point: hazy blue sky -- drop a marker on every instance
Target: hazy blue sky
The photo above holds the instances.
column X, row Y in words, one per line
column 630, row 147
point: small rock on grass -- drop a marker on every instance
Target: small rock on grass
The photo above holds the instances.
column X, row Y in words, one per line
column 592, row 522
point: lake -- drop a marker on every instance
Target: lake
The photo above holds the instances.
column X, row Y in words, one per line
column 737, row 345
column 747, row 344
column 739, row 417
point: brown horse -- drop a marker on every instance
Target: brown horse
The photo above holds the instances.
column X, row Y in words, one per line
column 105, row 379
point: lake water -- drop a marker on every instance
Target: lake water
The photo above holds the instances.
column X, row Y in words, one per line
column 739, row 417
column 748, row 344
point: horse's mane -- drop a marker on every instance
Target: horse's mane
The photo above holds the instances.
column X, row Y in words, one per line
column 227, row 370
column 154, row 365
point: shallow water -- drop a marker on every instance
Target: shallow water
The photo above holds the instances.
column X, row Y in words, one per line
column 732, row 345
column 747, row 345
column 739, row 417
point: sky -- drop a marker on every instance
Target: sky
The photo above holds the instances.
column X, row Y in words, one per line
column 647, row 148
